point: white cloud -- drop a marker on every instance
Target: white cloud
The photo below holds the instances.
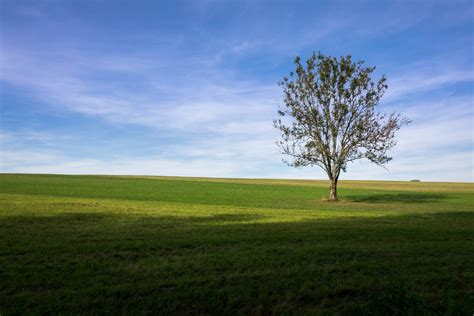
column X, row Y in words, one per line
column 8, row 138
column 130, row 166
column 444, row 124
column 426, row 77
column 12, row 159
column 444, row 166
column 192, row 104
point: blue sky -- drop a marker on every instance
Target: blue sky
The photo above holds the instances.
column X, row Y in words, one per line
column 190, row 87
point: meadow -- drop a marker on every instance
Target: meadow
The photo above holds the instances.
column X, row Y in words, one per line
column 170, row 245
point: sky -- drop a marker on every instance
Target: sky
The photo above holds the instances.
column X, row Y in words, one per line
column 189, row 88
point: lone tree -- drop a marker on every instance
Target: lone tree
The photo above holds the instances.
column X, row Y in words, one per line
column 330, row 116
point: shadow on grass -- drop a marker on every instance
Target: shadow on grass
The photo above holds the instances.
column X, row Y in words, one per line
column 399, row 198
column 91, row 263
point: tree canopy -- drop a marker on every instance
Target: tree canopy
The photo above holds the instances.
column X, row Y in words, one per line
column 330, row 116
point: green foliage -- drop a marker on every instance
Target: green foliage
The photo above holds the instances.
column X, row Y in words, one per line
column 109, row 245
column 331, row 116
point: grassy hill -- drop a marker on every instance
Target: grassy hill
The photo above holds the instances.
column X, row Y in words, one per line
column 103, row 244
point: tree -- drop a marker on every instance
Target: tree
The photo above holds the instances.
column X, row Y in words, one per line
column 329, row 117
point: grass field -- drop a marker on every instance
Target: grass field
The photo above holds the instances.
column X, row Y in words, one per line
column 136, row 245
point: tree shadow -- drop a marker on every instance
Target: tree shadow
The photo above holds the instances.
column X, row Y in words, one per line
column 399, row 198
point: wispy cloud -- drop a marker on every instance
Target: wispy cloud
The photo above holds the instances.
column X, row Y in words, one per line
column 427, row 77
column 192, row 103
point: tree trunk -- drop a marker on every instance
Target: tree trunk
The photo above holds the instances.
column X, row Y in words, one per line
column 333, row 190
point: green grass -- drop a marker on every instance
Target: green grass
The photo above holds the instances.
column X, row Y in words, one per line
column 167, row 245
